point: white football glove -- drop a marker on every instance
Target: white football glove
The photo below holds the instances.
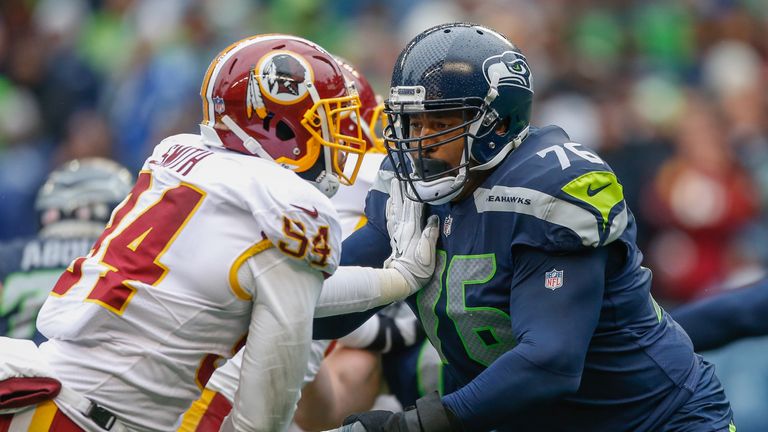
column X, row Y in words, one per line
column 413, row 249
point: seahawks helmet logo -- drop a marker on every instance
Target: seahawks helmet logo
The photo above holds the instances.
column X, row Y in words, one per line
column 283, row 77
column 511, row 68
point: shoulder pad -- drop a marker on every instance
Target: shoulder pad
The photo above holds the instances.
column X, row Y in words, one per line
column 565, row 187
column 306, row 227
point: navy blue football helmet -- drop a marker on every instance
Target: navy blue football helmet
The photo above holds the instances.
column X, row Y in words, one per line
column 465, row 68
column 77, row 199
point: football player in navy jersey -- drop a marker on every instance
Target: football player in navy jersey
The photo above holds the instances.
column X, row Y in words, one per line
column 539, row 307
column 73, row 206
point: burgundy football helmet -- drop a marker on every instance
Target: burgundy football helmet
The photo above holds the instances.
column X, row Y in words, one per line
column 283, row 98
column 371, row 108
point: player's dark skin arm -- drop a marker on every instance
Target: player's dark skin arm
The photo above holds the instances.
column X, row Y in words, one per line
column 553, row 328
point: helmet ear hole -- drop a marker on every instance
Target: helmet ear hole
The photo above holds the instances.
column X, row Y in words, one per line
column 503, row 126
column 284, row 132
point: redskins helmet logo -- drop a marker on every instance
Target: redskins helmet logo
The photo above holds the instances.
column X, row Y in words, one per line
column 512, row 69
column 283, row 77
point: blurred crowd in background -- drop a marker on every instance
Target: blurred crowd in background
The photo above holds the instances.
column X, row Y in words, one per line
column 673, row 94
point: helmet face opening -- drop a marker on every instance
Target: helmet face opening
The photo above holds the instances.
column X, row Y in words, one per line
column 415, row 136
column 460, row 67
column 330, row 114
column 79, row 196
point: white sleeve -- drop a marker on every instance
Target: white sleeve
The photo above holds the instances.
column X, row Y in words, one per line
column 316, row 356
column 356, row 289
column 276, row 352
column 224, row 381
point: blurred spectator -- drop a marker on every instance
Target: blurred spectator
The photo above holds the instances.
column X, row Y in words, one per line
column 23, row 159
column 615, row 74
column 87, row 135
column 700, row 200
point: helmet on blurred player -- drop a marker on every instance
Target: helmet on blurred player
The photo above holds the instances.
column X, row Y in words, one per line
column 77, row 199
column 282, row 98
column 371, row 107
column 464, row 69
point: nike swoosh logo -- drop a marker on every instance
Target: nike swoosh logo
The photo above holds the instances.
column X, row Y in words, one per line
column 312, row 213
column 592, row 192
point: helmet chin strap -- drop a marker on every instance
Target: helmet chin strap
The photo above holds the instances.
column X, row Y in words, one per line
column 446, row 185
column 444, row 188
column 326, row 183
column 249, row 142
column 515, row 143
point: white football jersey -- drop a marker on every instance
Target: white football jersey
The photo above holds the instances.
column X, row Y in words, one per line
column 140, row 324
column 350, row 200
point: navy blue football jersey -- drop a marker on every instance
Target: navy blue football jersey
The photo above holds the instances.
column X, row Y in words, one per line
column 486, row 298
column 29, row 268
column 414, row 372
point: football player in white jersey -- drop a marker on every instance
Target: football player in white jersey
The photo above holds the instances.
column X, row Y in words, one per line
column 323, row 404
column 221, row 237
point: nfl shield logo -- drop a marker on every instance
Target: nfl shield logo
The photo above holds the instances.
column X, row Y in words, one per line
column 447, row 225
column 218, row 104
column 553, row 279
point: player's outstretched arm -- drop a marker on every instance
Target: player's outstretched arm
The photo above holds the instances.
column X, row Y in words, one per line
column 277, row 350
column 721, row 319
column 348, row 381
column 408, row 268
column 367, row 247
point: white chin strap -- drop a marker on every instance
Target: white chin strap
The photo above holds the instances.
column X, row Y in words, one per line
column 327, row 184
column 515, row 143
column 447, row 188
column 249, row 142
